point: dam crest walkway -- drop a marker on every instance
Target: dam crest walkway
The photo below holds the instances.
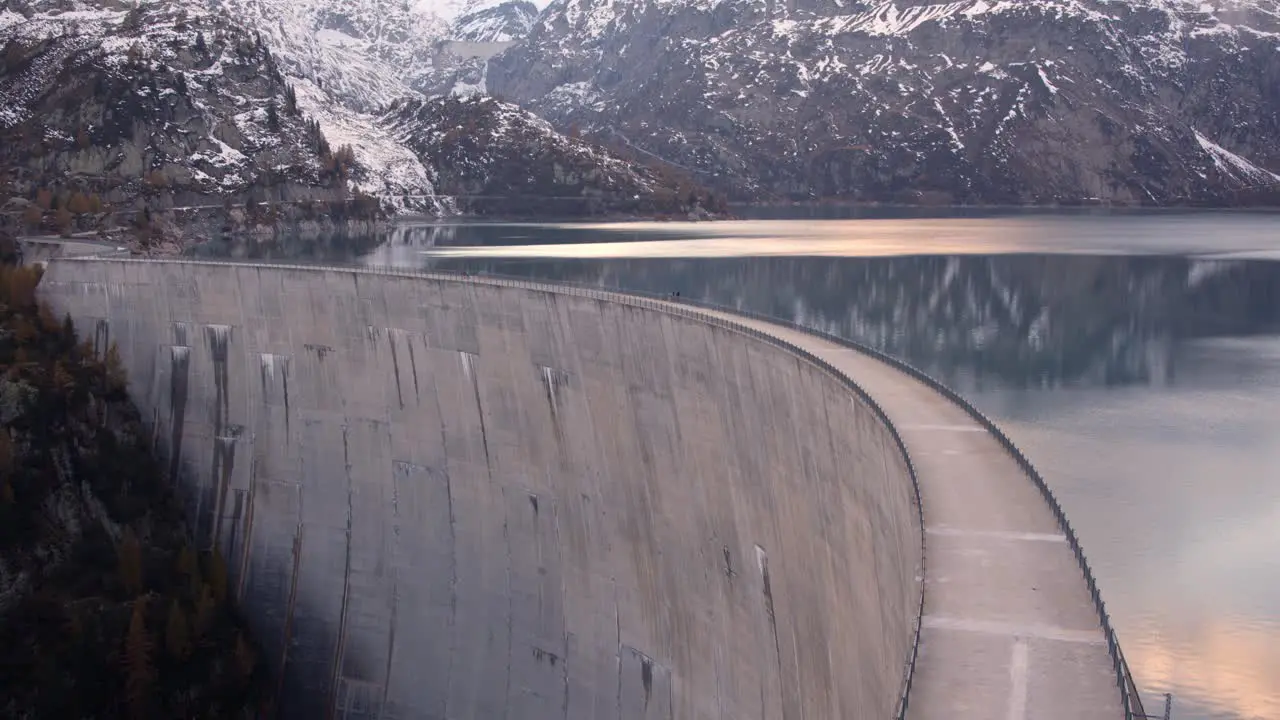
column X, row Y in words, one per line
column 1009, row 629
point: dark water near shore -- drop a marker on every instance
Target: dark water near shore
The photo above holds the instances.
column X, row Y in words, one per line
column 1136, row 357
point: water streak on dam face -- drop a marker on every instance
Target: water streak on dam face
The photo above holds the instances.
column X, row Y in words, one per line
column 441, row 499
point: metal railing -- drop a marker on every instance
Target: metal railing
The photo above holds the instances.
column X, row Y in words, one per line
column 1129, row 696
column 662, row 304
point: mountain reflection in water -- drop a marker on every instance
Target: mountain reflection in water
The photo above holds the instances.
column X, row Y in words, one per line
column 1025, row 320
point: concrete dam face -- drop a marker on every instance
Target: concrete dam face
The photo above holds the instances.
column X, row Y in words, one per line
column 443, row 498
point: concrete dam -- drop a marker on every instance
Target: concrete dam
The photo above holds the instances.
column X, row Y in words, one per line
column 448, row 499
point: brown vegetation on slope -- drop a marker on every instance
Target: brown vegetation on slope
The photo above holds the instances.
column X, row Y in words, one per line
column 105, row 609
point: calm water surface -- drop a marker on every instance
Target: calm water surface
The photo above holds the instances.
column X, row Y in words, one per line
column 1135, row 357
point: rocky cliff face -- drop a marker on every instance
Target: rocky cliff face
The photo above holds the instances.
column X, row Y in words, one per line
column 157, row 103
column 493, row 158
column 1066, row 101
column 490, row 21
column 160, row 123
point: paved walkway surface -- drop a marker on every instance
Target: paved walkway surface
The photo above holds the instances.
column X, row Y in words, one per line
column 1010, row 632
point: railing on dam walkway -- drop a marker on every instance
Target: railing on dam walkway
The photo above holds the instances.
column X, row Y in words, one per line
column 1129, row 696
column 686, row 307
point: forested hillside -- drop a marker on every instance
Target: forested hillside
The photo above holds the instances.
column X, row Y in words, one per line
column 105, row 609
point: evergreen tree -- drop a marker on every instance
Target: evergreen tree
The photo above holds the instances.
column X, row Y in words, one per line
column 187, row 566
column 218, row 576
column 78, row 203
column 76, row 644
column 62, row 220
column 205, row 607
column 6, row 454
column 129, row 558
column 177, row 633
column 32, row 216
column 245, row 657
column 140, row 674
column 201, row 47
column 273, row 116
column 117, row 380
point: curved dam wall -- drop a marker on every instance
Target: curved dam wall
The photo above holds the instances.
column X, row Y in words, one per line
column 449, row 499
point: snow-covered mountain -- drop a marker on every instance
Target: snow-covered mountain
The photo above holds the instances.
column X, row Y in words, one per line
column 492, row 21
column 485, row 21
column 227, row 97
column 1009, row 101
column 346, row 60
column 363, row 53
column 350, row 59
column 970, row 101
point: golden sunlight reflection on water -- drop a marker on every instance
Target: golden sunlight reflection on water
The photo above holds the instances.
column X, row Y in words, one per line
column 710, row 248
column 1172, row 492
column 1227, row 665
column 876, row 238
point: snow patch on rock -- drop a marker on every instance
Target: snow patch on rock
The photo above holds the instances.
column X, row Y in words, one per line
column 1235, row 166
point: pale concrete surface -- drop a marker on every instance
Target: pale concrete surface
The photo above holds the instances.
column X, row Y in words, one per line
column 450, row 499
column 1010, row 631
column 44, row 249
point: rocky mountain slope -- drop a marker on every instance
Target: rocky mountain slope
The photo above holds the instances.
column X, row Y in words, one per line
column 149, row 108
column 492, row 21
column 996, row 101
column 350, row 59
column 493, row 158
